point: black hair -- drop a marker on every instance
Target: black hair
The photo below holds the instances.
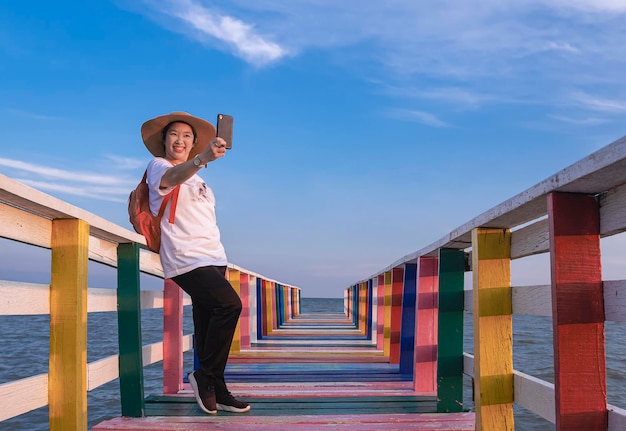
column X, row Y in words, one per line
column 167, row 128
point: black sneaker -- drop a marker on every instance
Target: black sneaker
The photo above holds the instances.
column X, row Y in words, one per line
column 204, row 391
column 228, row 403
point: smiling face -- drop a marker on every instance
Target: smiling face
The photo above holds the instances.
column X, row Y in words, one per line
column 178, row 140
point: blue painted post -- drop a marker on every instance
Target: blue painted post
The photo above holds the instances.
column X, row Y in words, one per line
column 407, row 331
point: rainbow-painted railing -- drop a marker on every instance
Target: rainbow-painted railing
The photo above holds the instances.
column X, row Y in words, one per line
column 414, row 307
column 76, row 237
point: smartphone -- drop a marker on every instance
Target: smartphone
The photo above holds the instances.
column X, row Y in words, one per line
column 224, row 129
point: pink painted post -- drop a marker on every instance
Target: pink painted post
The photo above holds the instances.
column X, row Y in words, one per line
column 244, row 319
column 172, row 337
column 397, row 286
column 426, row 325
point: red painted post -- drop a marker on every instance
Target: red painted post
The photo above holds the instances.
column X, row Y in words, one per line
column 577, row 313
column 380, row 319
column 172, row 337
column 397, row 285
column 426, row 325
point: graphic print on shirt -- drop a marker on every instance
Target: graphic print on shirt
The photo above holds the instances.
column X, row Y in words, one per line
column 200, row 192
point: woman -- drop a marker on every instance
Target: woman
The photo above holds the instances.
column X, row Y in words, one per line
column 191, row 251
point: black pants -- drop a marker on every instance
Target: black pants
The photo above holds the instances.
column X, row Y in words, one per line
column 216, row 310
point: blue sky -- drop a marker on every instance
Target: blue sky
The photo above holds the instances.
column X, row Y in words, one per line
column 364, row 130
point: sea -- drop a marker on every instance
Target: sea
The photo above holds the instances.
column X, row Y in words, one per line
column 25, row 348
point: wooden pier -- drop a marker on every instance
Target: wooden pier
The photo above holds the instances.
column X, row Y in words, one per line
column 393, row 359
column 314, row 372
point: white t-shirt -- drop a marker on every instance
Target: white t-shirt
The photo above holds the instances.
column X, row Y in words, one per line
column 193, row 240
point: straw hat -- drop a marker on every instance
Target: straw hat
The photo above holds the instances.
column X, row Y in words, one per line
column 151, row 132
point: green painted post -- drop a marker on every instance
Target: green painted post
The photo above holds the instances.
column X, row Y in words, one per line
column 450, row 331
column 129, row 330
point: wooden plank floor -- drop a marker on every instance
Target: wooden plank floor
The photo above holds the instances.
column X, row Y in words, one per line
column 370, row 422
column 317, row 374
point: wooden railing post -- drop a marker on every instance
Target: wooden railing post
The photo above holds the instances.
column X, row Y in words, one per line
column 260, row 308
column 234, row 278
column 493, row 329
column 374, row 308
column 407, row 331
column 577, row 313
column 363, row 307
column 67, row 379
column 380, row 318
column 370, row 308
column 172, row 337
column 397, row 284
column 387, row 307
column 426, row 325
column 450, row 331
column 129, row 323
column 244, row 320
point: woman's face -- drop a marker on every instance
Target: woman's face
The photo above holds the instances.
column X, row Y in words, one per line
column 179, row 141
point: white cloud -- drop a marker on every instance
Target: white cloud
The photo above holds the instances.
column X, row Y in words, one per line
column 97, row 193
column 487, row 50
column 30, row 115
column 212, row 27
column 461, row 97
column 126, row 162
column 101, row 187
column 586, row 121
column 422, row 117
column 596, row 103
column 618, row 6
column 54, row 173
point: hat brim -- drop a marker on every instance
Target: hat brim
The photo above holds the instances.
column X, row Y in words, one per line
column 151, row 132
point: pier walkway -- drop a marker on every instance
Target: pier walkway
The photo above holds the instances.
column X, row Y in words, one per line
column 315, row 372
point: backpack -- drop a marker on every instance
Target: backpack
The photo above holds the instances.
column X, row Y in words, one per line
column 141, row 217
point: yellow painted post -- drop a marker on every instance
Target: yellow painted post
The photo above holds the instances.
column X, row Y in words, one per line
column 67, row 378
column 387, row 306
column 234, row 278
column 493, row 329
column 363, row 307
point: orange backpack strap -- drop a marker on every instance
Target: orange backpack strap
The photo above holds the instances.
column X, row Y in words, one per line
column 171, row 195
column 174, row 194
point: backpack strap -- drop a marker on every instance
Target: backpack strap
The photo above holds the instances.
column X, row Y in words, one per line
column 174, row 195
column 171, row 195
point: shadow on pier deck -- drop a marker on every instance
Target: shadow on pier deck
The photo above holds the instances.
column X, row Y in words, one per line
column 315, row 372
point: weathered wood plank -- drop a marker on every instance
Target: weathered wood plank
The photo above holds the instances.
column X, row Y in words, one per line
column 304, row 422
column 450, row 331
column 426, row 325
column 617, row 418
column 493, row 329
column 172, row 337
column 21, row 396
column 388, row 311
column 577, row 313
column 67, row 378
column 532, row 300
column 397, row 284
column 615, row 300
column 129, row 318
